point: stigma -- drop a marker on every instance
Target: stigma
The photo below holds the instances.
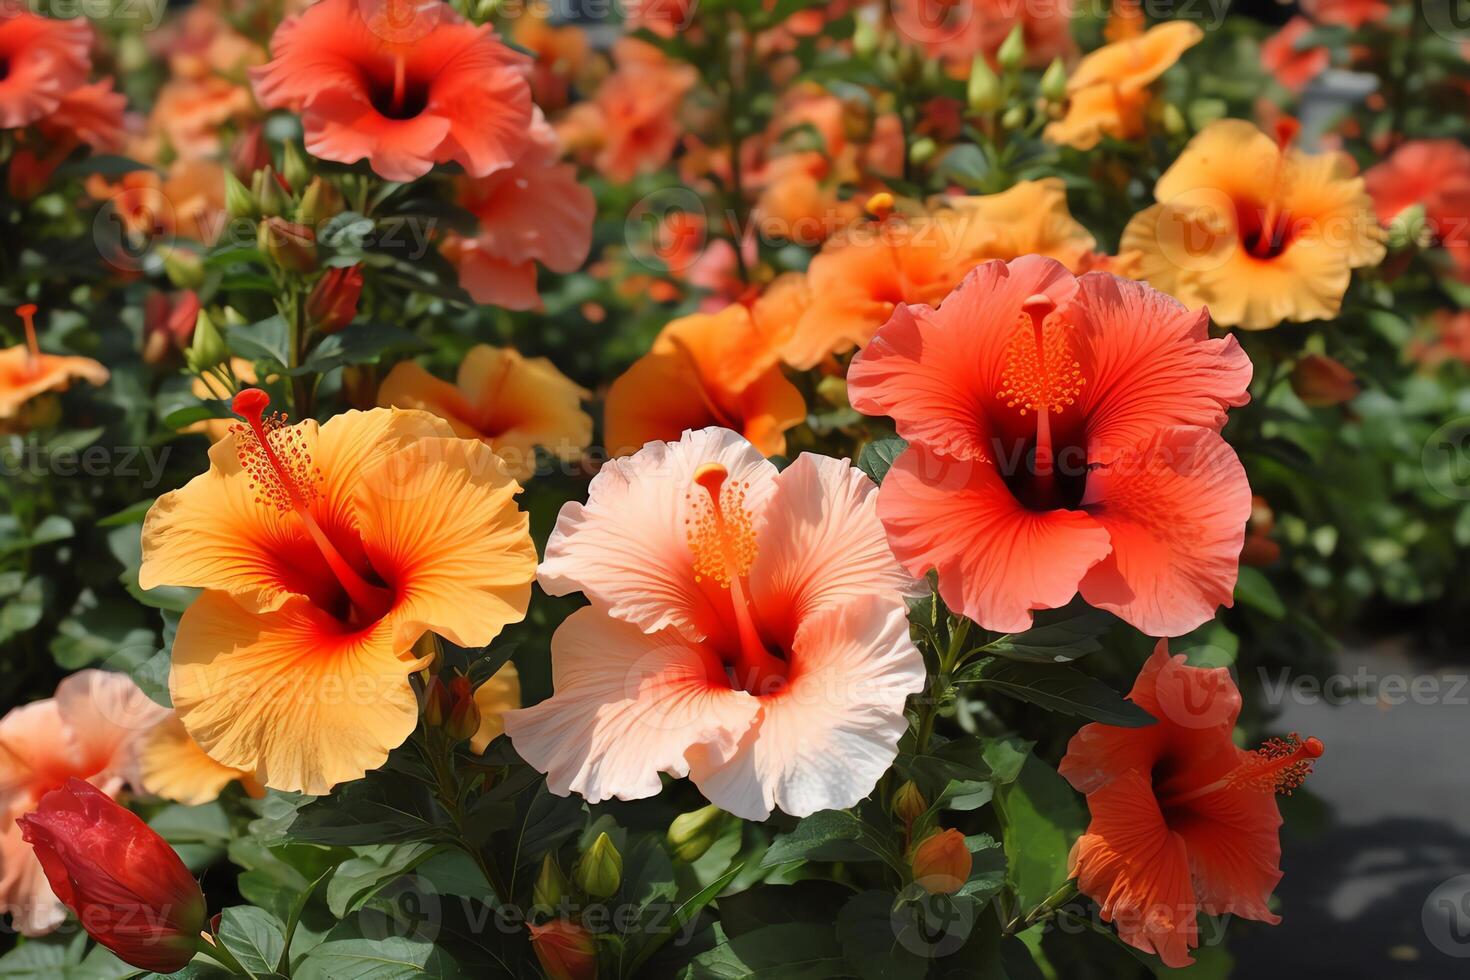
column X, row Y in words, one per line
column 719, row 528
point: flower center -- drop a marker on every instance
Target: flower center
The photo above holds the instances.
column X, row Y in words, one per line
column 1267, row 233
column 1278, row 766
column 1041, row 376
column 281, row 473
column 721, row 538
column 403, row 97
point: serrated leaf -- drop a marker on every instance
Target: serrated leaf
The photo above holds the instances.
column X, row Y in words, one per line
column 254, row 936
column 1058, row 688
column 828, row 835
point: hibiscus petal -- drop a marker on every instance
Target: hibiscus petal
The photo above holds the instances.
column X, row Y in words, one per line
column 627, row 549
column 1234, row 851
column 1152, row 364
column 823, row 544
column 997, row 561
column 173, row 766
column 1137, row 870
column 1175, row 509
column 439, row 517
column 628, row 706
column 109, row 717
column 824, row 740
column 290, row 695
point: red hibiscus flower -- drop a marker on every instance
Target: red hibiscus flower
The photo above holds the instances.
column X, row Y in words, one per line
column 44, row 59
column 1182, row 819
column 1065, row 437
column 403, row 88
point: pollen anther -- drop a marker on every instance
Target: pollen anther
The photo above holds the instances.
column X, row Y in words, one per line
column 1041, row 371
column 719, row 528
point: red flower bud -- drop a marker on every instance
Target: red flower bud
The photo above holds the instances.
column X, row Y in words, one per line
column 437, row 702
column 464, row 714
column 941, row 863
column 287, row 244
column 333, row 300
column 124, row 883
column 1320, row 381
column 565, row 949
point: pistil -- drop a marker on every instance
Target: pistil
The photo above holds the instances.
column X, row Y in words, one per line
column 289, row 484
column 27, row 313
column 1266, row 241
column 723, row 544
column 1279, row 766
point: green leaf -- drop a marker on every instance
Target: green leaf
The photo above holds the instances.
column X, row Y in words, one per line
column 266, row 340
column 359, row 343
column 682, row 916
column 791, row 951
column 987, row 868
column 1057, row 688
column 1066, row 635
column 828, row 835
column 346, row 954
column 1041, row 818
column 383, row 808
column 1255, row 590
column 62, row 957
column 254, row 936
column 877, row 457
column 23, row 611
column 865, row 929
column 360, row 878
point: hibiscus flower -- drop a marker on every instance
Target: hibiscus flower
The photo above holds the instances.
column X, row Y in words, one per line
column 403, row 88
column 747, row 630
column 1064, row 436
column 1183, row 821
column 1436, row 174
column 25, row 372
column 512, row 403
column 1256, row 230
column 325, row 553
column 44, row 61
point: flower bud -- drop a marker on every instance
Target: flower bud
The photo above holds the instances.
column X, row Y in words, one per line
column 437, row 702
column 208, row 347
column 693, row 833
column 600, row 870
column 941, row 862
column 909, row 804
column 864, row 36
column 923, row 150
column 984, row 92
column 287, row 244
column 551, row 884
column 1172, row 120
column 1012, row 50
column 265, row 187
column 1408, row 227
column 464, row 715
column 293, row 166
column 1014, row 118
column 127, row 887
column 565, row 950
column 319, row 202
column 239, row 202
column 1321, row 381
column 1054, row 81
column 332, row 303
column 184, row 268
column 249, row 152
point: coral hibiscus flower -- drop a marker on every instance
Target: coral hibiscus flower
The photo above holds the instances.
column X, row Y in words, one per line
column 638, row 107
column 707, row 369
column 1255, row 229
column 747, row 629
column 325, row 553
column 92, row 729
column 1291, row 66
column 512, row 403
column 1065, row 436
column 1183, row 821
column 1108, row 92
column 44, row 60
column 402, row 88
column 1435, row 173
column 535, row 211
column 25, row 372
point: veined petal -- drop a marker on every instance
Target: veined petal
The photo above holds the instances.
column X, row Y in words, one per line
column 823, row 741
column 628, row 706
column 997, row 561
column 1175, row 510
column 172, row 765
column 627, row 547
column 1234, row 851
column 108, row 716
column 290, row 694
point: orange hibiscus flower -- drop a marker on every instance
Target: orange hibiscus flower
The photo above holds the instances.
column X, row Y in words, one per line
column 1255, row 229
column 172, row 765
column 512, row 403
column 957, row 30
column 44, row 60
column 706, row 369
column 1108, row 92
column 325, row 552
column 534, row 211
column 1183, row 821
column 638, row 110
column 1064, row 437
column 1293, row 67
column 403, row 87
column 25, row 372
column 1436, row 174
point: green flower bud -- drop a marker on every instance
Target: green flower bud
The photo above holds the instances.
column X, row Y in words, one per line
column 1014, row 118
column 270, row 197
column 294, row 166
column 1054, row 81
column 1171, row 120
column 550, row 885
column 984, row 91
column 908, row 803
column 239, row 202
column 319, row 202
column 208, row 347
column 923, row 150
column 601, row 869
column 233, row 317
column 1409, row 228
column 1012, row 50
column 184, row 268
column 864, row 37
column 290, row 246
column 693, row 833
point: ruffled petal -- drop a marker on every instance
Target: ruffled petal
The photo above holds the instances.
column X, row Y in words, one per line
column 1234, row 851
column 499, row 694
column 439, row 521
column 1175, row 509
column 825, row 739
column 627, row 549
column 290, row 695
column 173, row 766
column 997, row 561
column 109, row 717
column 823, row 544
column 628, row 706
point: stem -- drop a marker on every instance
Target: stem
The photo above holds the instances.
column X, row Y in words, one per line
column 1045, row 910
column 940, row 685
column 447, row 790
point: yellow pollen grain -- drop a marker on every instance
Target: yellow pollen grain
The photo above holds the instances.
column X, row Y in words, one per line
column 1041, row 373
column 719, row 528
column 287, row 444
